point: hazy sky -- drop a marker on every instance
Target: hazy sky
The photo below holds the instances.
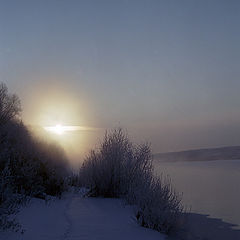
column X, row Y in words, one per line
column 166, row 70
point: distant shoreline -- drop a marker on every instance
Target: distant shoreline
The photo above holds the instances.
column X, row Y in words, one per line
column 210, row 154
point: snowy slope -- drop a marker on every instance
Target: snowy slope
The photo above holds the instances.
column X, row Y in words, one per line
column 41, row 221
column 75, row 217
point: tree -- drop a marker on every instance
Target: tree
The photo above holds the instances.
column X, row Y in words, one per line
column 10, row 105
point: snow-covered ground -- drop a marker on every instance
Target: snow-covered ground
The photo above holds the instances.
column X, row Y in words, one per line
column 75, row 217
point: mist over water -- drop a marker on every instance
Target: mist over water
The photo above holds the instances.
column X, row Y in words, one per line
column 208, row 187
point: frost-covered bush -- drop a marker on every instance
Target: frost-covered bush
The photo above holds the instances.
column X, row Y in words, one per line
column 109, row 171
column 121, row 169
column 157, row 205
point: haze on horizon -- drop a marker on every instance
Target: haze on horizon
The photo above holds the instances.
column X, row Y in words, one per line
column 168, row 71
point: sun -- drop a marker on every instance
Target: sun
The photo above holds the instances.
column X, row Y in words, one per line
column 58, row 129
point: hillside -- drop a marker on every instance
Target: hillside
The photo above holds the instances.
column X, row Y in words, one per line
column 223, row 153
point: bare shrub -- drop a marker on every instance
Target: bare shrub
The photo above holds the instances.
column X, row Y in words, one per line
column 121, row 169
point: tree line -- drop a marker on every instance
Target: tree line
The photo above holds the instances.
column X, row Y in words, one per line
column 29, row 167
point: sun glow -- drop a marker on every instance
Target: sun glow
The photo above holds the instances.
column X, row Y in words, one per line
column 59, row 129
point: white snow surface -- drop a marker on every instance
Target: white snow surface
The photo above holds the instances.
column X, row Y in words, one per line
column 77, row 218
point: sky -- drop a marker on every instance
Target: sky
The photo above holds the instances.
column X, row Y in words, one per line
column 168, row 71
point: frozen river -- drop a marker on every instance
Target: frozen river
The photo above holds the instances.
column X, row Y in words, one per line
column 208, row 187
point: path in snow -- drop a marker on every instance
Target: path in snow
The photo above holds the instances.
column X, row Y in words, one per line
column 77, row 218
column 104, row 219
